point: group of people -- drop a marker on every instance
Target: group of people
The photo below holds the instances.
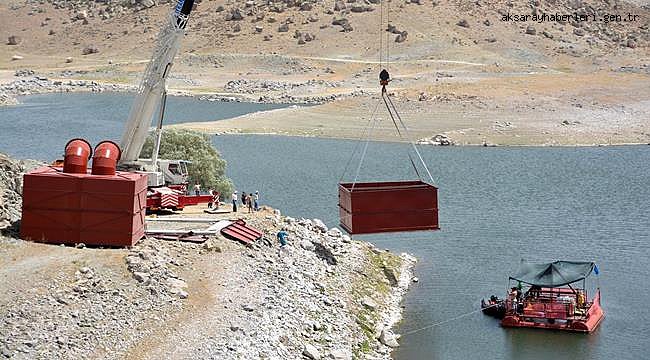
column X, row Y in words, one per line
column 250, row 201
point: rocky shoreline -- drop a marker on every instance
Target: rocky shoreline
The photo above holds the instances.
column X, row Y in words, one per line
column 43, row 85
column 326, row 297
column 29, row 84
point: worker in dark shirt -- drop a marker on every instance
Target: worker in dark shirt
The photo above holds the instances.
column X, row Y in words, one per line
column 282, row 239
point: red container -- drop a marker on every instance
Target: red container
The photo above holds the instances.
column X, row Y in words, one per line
column 388, row 206
column 65, row 208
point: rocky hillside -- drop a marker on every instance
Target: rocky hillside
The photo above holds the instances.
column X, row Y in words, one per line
column 419, row 29
column 324, row 296
column 11, row 188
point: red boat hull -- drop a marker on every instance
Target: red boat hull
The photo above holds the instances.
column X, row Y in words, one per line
column 585, row 324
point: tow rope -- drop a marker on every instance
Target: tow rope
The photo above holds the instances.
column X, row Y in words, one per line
column 446, row 321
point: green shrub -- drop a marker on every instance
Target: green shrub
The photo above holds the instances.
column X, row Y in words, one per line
column 207, row 167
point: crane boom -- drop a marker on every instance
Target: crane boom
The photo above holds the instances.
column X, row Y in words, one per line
column 151, row 89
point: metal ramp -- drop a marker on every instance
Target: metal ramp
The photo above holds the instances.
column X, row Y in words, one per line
column 241, row 232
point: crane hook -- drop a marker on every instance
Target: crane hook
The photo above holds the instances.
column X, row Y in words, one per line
column 384, row 78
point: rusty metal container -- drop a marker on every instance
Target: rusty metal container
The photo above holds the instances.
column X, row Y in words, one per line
column 65, row 208
column 374, row 207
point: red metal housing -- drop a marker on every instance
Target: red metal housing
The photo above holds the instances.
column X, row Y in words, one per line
column 77, row 154
column 82, row 208
column 388, row 206
column 107, row 154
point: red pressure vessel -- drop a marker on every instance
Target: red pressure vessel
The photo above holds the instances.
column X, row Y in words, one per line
column 77, row 154
column 107, row 154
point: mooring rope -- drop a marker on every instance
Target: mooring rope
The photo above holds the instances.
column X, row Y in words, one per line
column 446, row 321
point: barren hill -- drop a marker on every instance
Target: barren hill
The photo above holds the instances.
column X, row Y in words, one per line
column 474, row 30
column 443, row 53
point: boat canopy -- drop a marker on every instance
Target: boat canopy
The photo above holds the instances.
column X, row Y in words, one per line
column 554, row 274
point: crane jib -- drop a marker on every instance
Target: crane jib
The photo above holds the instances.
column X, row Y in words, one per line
column 184, row 7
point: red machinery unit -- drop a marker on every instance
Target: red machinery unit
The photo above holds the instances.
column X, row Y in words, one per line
column 388, row 206
column 70, row 208
column 173, row 198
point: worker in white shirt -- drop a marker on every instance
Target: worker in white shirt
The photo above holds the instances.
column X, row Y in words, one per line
column 234, row 201
column 257, row 200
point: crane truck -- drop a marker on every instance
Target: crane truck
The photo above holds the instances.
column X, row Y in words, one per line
column 167, row 179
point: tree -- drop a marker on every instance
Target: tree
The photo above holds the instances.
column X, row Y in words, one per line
column 207, row 167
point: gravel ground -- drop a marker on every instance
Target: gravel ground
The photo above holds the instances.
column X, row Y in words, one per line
column 325, row 296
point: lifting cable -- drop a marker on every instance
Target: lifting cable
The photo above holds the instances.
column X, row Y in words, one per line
column 400, row 126
column 367, row 129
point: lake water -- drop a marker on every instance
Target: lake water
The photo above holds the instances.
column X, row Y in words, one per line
column 497, row 206
column 46, row 122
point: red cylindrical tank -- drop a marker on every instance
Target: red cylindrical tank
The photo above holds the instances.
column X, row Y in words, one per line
column 107, row 154
column 77, row 154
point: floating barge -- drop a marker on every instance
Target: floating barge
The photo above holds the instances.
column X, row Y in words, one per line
column 553, row 298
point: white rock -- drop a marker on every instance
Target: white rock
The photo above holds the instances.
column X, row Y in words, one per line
column 340, row 354
column 334, row 232
column 17, row 57
column 346, row 238
column 307, row 245
column 176, row 286
column 141, row 277
column 388, row 338
column 311, row 352
column 369, row 303
column 320, row 225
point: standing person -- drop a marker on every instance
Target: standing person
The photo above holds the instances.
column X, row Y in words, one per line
column 210, row 191
column 197, row 189
column 250, row 203
column 215, row 199
column 282, row 239
column 243, row 198
column 234, row 201
column 257, row 200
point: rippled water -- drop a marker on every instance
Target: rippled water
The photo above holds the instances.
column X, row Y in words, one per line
column 42, row 124
column 497, row 206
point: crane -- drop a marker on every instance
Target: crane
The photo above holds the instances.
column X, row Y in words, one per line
column 167, row 179
column 152, row 95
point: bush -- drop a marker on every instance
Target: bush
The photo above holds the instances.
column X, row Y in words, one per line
column 207, row 167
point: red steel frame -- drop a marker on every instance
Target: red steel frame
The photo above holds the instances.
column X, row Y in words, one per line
column 388, row 206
